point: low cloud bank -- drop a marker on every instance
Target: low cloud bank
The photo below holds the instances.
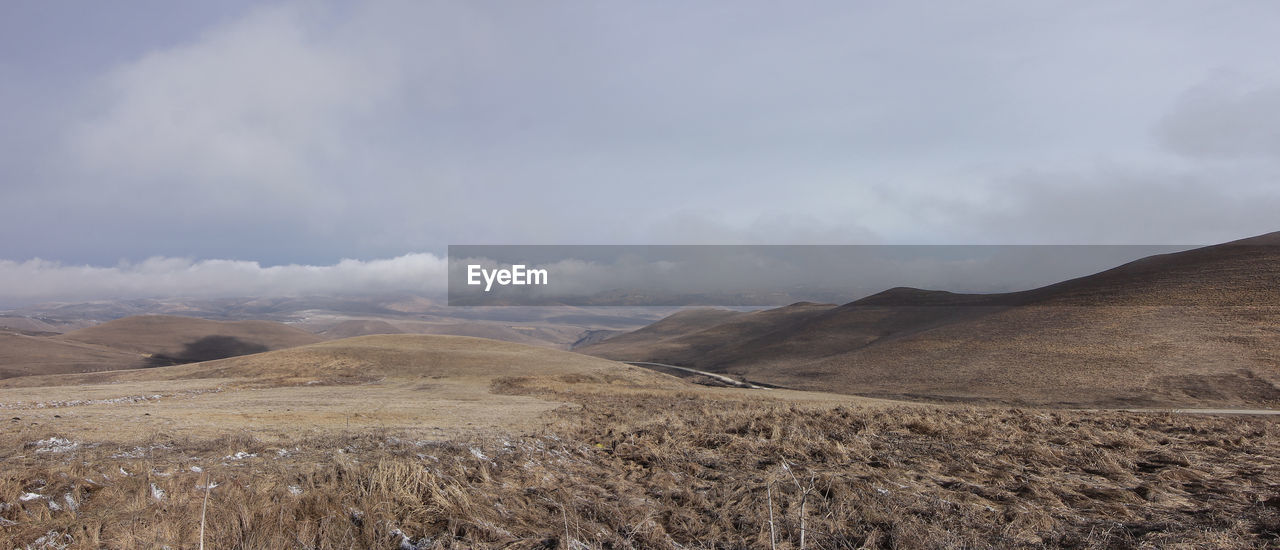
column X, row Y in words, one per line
column 39, row 280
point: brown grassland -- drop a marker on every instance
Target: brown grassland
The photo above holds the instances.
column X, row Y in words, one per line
column 413, row 441
column 1198, row 328
column 660, row 468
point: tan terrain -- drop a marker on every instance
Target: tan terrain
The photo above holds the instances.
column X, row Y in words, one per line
column 1199, row 328
column 142, row 341
column 420, row 441
column 411, row 441
column 189, row 339
column 430, row 385
column 359, row 327
column 24, row 354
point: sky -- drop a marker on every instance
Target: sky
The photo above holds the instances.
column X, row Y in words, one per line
column 326, row 145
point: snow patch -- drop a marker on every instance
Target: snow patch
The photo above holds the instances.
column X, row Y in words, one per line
column 136, row 452
column 404, row 542
column 51, row 540
column 55, row 445
column 125, row 400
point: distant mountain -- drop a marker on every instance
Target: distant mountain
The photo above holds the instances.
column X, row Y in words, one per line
column 1200, row 327
column 35, row 325
column 345, row 316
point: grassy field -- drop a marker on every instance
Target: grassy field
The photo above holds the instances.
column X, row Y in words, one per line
column 410, row 441
column 428, row 386
column 665, row 469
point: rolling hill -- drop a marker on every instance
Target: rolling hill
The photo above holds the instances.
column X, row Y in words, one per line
column 421, row 383
column 142, row 341
column 418, row 383
column 169, row 340
column 414, row 357
column 1194, row 328
column 16, row 323
column 22, row 354
column 390, row 358
column 359, row 327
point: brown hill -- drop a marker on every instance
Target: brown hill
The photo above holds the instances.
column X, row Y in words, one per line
column 455, row 360
column 1200, row 327
column 141, row 341
column 414, row 356
column 16, row 323
column 545, row 335
column 167, row 340
column 22, row 355
column 693, row 333
column 359, row 327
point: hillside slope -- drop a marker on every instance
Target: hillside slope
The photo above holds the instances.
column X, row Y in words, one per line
column 139, row 342
column 22, row 355
column 359, row 327
column 424, row 386
column 415, row 356
column 1195, row 328
column 388, row 357
column 168, row 340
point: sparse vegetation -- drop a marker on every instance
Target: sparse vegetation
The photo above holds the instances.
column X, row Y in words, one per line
column 1188, row 329
column 668, row 470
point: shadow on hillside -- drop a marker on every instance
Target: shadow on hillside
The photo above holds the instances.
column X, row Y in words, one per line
column 207, row 349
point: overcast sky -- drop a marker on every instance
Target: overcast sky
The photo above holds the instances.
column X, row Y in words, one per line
column 144, row 136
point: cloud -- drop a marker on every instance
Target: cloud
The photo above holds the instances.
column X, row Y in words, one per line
column 40, row 280
column 1112, row 203
column 711, row 227
column 1224, row 121
column 304, row 132
column 296, row 121
column 249, row 106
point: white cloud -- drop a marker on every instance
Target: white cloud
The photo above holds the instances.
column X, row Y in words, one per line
column 253, row 106
column 41, row 280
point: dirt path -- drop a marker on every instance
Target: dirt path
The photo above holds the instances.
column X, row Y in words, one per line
column 712, row 375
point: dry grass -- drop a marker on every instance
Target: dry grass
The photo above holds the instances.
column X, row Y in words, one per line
column 139, row 342
column 167, row 334
column 1035, row 355
column 668, row 470
column 1190, row 329
column 22, row 354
